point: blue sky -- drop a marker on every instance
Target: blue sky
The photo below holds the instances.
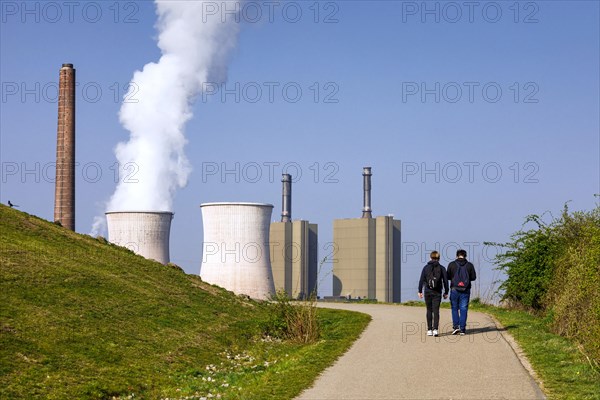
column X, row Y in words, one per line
column 508, row 125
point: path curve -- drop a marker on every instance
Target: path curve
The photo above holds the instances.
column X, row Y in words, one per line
column 394, row 359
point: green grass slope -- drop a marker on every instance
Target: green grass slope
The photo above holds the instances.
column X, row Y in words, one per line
column 81, row 318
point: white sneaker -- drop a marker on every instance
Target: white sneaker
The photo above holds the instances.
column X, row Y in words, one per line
column 429, row 333
column 435, row 332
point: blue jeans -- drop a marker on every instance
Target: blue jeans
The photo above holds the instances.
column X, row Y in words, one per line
column 460, row 307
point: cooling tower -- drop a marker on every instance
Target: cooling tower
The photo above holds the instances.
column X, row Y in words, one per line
column 235, row 252
column 144, row 232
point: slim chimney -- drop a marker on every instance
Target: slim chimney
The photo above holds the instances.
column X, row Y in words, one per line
column 64, row 194
column 366, row 212
column 286, row 198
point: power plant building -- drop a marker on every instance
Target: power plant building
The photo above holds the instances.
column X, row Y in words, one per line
column 294, row 257
column 367, row 258
column 294, row 250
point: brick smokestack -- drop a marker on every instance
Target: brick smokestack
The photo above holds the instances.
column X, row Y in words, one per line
column 64, row 194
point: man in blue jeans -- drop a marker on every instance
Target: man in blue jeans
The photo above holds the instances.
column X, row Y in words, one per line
column 460, row 274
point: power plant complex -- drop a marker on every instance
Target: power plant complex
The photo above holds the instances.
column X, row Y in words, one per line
column 243, row 251
column 246, row 254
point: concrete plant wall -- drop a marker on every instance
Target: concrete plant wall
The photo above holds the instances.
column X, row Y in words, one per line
column 281, row 261
column 367, row 258
column 294, row 250
column 313, row 258
column 299, row 259
column 354, row 258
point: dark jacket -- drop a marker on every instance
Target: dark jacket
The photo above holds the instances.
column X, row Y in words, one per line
column 470, row 270
column 425, row 272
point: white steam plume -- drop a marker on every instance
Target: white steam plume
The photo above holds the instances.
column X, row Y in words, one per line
column 98, row 226
column 195, row 46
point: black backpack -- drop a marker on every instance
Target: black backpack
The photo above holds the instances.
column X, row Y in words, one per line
column 461, row 279
column 434, row 277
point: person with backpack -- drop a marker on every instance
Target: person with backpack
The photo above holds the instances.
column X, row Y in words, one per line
column 460, row 273
column 433, row 278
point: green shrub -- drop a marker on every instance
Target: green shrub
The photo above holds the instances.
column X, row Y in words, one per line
column 573, row 295
column 554, row 269
column 528, row 264
column 295, row 321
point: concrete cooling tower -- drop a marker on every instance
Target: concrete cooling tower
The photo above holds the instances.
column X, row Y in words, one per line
column 235, row 252
column 144, row 232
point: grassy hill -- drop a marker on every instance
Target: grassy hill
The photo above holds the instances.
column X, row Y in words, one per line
column 81, row 318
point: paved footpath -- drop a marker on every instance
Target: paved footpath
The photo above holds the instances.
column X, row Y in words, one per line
column 394, row 359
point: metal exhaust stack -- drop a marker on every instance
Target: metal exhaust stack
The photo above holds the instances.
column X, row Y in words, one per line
column 286, row 198
column 366, row 212
column 64, row 192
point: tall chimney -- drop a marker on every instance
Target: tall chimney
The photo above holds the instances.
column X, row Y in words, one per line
column 286, row 198
column 64, row 194
column 366, row 212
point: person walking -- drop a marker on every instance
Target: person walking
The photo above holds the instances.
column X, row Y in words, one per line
column 460, row 273
column 433, row 278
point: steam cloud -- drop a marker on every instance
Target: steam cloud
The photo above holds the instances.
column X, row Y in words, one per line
column 195, row 46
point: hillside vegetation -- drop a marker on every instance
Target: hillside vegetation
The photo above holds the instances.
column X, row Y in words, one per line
column 553, row 269
column 81, row 318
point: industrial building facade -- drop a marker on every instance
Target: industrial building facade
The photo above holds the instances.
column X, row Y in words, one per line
column 294, row 258
column 367, row 260
column 366, row 264
column 294, row 250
